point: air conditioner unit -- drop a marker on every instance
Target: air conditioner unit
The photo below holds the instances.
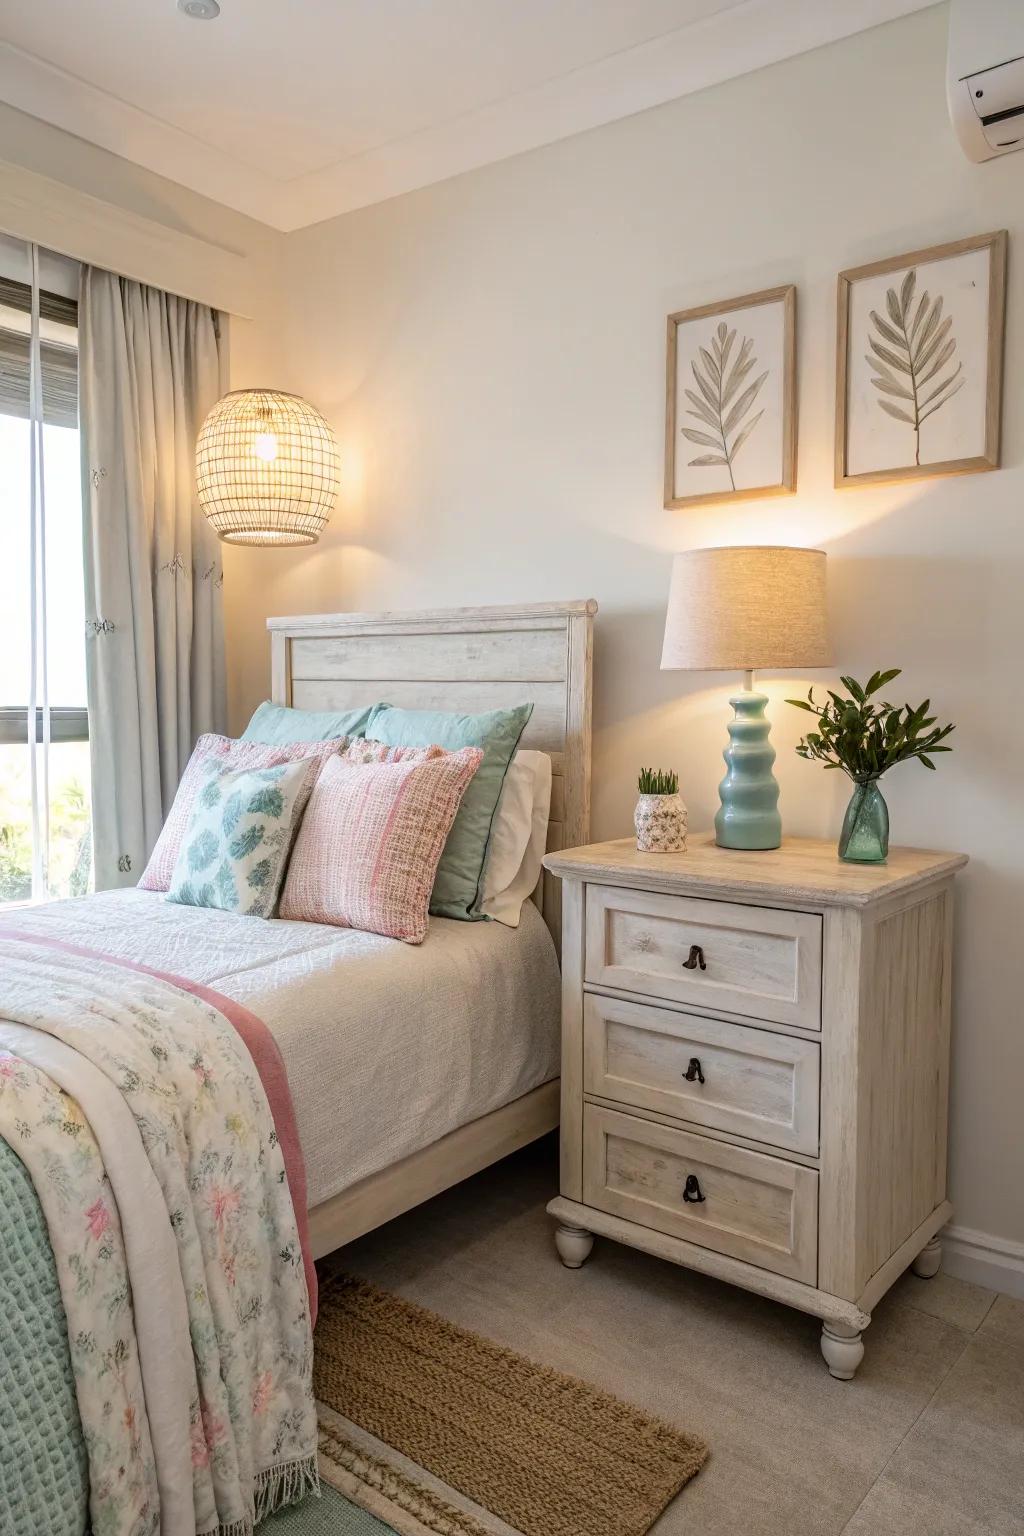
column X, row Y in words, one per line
column 985, row 76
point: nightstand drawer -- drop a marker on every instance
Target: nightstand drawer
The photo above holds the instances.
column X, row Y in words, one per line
column 757, row 1208
column 758, row 961
column 724, row 1076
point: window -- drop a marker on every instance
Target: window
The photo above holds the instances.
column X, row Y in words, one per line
column 45, row 847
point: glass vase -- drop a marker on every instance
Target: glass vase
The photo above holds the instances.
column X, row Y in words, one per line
column 865, row 835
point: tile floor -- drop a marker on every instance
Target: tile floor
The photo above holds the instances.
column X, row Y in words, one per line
column 929, row 1438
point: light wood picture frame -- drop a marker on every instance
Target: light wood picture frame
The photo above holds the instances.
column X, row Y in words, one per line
column 919, row 363
column 731, row 385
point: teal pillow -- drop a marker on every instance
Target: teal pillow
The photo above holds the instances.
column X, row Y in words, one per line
column 239, row 836
column 497, row 733
column 278, row 725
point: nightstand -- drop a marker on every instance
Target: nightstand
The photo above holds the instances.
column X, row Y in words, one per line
column 755, row 1067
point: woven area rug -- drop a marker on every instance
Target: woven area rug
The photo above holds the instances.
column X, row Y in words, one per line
column 542, row 1453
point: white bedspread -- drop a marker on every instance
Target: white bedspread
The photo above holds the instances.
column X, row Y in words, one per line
column 388, row 1046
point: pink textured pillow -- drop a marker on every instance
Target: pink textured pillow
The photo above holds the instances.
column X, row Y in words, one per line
column 235, row 755
column 363, row 750
column 370, row 842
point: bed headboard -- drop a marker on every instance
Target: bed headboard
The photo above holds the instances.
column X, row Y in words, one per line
column 465, row 659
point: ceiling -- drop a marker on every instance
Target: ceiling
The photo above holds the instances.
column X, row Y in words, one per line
column 294, row 111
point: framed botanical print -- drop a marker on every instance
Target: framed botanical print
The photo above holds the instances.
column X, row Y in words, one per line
column 919, row 363
column 730, row 411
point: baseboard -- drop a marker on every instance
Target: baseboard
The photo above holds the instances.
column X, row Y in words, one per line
column 995, row 1262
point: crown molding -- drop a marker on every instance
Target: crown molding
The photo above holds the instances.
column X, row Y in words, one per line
column 42, row 90
column 746, row 37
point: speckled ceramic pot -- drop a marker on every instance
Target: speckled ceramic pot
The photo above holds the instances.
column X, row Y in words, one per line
column 661, row 822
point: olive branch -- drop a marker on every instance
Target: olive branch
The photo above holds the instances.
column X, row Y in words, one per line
column 912, row 351
column 718, row 405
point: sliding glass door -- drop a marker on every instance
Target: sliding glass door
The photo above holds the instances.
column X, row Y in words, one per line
column 45, row 847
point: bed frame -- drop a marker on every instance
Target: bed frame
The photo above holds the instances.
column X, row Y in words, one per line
column 467, row 659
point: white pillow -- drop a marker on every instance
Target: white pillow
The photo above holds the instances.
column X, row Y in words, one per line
column 518, row 838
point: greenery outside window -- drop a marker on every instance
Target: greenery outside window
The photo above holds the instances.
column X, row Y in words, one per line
column 46, row 853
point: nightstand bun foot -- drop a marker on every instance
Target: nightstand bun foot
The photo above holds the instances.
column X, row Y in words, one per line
column 843, row 1349
column 929, row 1259
column 573, row 1244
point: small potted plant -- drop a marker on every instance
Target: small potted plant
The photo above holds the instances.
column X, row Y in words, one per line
column 660, row 816
column 865, row 739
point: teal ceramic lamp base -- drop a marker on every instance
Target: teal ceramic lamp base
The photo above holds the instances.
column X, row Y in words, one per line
column 749, row 814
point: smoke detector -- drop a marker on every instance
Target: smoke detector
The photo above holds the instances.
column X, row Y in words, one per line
column 199, row 10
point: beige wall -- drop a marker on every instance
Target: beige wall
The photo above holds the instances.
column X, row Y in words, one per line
column 490, row 351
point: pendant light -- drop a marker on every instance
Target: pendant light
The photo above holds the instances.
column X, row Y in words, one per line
column 266, row 468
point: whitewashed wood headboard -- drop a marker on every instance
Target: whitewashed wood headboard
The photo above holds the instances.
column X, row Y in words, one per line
column 465, row 659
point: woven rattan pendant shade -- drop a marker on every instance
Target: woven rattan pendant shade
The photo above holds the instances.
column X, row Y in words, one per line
column 266, row 468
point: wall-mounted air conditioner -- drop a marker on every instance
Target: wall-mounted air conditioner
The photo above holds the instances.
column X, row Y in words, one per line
column 985, row 76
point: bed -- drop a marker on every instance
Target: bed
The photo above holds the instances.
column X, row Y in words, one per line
column 409, row 1068
column 466, row 659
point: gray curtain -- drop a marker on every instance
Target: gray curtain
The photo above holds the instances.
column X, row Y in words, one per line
column 150, row 366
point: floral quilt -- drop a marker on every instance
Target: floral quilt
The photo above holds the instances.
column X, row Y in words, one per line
column 72, row 1029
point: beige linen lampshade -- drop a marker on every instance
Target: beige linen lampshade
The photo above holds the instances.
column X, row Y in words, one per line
column 744, row 607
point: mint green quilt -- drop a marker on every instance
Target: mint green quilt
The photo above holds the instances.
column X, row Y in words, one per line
column 44, row 1478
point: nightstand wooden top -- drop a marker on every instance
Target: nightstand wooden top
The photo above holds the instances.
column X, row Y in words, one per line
column 804, row 869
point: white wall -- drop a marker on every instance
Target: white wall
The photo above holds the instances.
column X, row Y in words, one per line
column 491, row 352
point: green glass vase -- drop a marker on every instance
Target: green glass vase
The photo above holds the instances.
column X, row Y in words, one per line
column 865, row 835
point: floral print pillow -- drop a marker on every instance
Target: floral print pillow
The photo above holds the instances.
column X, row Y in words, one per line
column 239, row 836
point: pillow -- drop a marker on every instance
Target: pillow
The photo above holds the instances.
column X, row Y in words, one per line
column 239, row 836
column 370, row 841
column 496, row 734
column 234, row 754
column 518, row 838
column 366, row 751
column 279, row 725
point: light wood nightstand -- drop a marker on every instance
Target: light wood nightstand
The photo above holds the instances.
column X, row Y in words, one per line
column 755, row 1067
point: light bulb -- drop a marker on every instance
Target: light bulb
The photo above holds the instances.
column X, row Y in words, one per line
column 265, row 446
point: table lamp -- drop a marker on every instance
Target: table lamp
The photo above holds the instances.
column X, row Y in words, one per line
column 738, row 609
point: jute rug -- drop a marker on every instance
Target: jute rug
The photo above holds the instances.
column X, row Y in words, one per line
column 545, row 1454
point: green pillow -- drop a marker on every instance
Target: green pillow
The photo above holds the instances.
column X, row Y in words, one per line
column 278, row 725
column 239, row 836
column 456, row 886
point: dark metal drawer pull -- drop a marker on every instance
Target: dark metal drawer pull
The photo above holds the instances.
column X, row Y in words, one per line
column 692, row 1191
column 693, row 1073
column 696, row 958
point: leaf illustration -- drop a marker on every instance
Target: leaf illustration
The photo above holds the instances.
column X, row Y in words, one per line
column 261, row 874
column 701, row 410
column 266, row 802
column 210, row 794
column 241, row 846
column 741, row 437
column 744, row 403
column 226, row 887
column 202, row 850
column 705, row 388
column 912, row 346
column 232, row 811
column 894, row 410
column 725, row 400
column 699, row 437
